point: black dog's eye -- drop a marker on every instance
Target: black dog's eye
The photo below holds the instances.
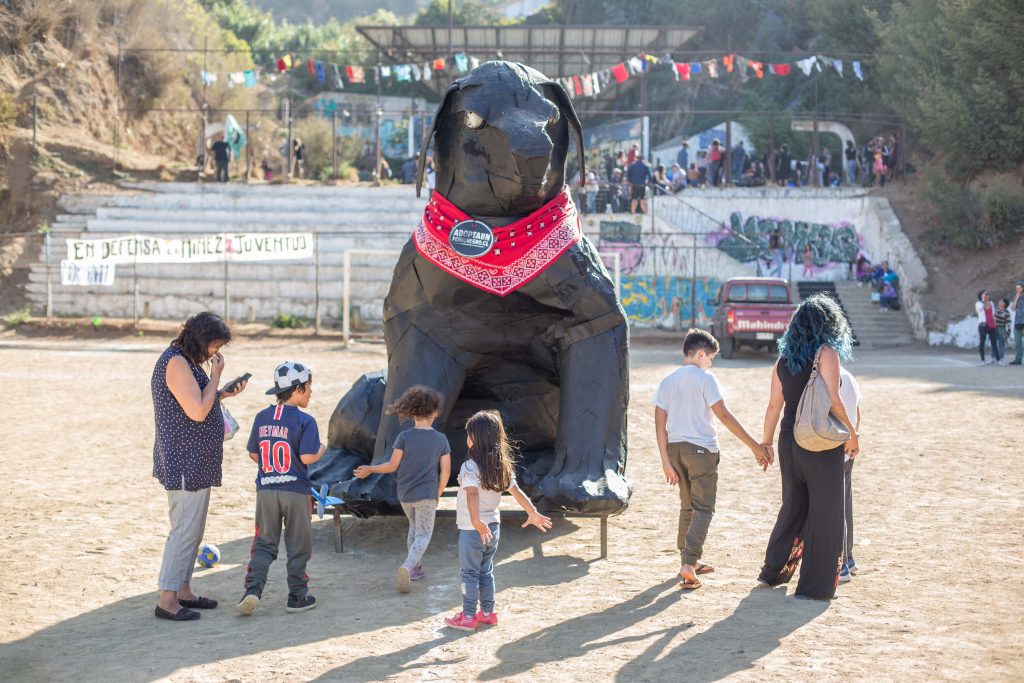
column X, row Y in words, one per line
column 474, row 120
column 553, row 119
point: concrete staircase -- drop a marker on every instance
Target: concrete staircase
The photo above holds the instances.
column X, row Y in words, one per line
column 343, row 218
column 876, row 329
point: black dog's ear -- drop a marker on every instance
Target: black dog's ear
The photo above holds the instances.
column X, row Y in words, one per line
column 421, row 164
column 565, row 105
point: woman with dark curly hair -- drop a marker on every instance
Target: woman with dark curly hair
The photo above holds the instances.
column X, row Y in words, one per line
column 188, row 451
column 811, row 523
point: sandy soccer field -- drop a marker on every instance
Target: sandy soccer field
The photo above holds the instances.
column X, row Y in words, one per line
column 938, row 515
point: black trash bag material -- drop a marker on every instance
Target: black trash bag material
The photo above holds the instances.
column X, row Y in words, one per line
column 356, row 418
column 549, row 353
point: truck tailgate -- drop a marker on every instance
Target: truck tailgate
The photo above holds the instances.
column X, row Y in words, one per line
column 761, row 318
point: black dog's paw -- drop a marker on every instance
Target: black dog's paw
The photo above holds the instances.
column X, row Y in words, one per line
column 578, row 492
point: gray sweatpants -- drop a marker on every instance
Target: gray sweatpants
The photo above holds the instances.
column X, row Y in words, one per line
column 273, row 508
column 421, row 515
column 697, row 468
column 188, row 522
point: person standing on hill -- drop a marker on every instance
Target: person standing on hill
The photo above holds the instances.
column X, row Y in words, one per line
column 782, row 165
column 639, row 175
column 715, row 162
column 683, row 157
column 221, row 156
column 986, row 326
column 739, row 160
column 850, row 156
column 1002, row 315
column 1017, row 306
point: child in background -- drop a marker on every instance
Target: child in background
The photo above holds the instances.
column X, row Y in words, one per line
column 283, row 441
column 849, row 393
column 422, row 458
column 688, row 443
column 487, row 473
column 1002, row 315
column 808, row 261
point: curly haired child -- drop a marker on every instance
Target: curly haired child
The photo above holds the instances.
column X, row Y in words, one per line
column 422, row 458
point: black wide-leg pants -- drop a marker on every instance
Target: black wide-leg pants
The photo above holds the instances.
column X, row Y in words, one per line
column 810, row 526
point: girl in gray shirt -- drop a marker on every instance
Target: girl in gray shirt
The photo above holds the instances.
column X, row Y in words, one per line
column 422, row 458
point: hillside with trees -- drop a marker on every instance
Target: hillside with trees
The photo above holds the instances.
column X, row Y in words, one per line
column 948, row 68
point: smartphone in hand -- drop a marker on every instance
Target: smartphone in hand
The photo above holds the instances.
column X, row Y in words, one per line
column 230, row 386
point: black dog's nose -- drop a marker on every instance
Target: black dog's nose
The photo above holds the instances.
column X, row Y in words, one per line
column 533, row 169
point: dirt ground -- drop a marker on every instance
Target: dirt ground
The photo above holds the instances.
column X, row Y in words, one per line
column 938, row 518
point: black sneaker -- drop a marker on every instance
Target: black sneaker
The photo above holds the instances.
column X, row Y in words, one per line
column 300, row 604
column 248, row 604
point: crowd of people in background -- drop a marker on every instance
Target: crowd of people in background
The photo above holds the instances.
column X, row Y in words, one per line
column 1000, row 322
column 622, row 181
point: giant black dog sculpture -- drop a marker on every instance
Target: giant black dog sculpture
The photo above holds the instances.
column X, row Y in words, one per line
column 550, row 353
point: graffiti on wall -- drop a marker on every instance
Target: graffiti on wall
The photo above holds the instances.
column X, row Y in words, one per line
column 832, row 245
column 665, row 300
column 653, row 255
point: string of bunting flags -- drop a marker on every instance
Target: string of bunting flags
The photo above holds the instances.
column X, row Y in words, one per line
column 340, row 74
column 579, row 85
column 591, row 84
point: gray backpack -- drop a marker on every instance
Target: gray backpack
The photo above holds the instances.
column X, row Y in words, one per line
column 816, row 428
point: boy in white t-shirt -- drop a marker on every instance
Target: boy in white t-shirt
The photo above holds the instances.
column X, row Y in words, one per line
column 849, row 392
column 688, row 443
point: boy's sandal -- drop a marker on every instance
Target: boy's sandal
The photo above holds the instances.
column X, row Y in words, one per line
column 200, row 603
column 184, row 614
column 688, row 584
column 703, row 568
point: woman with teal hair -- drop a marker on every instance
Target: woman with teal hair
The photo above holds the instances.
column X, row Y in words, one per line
column 811, row 523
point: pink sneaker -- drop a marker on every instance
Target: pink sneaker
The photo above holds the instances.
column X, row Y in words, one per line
column 489, row 620
column 461, row 622
column 417, row 574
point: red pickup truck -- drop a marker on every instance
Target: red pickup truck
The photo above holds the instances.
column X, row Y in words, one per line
column 753, row 311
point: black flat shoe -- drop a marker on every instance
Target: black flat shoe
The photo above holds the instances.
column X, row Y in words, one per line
column 199, row 603
column 184, row 614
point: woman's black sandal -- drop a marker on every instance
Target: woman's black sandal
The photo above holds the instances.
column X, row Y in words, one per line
column 184, row 614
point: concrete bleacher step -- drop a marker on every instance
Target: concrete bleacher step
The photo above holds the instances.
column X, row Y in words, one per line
column 875, row 328
column 344, row 218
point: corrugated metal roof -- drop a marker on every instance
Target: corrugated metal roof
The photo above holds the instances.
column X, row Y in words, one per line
column 553, row 50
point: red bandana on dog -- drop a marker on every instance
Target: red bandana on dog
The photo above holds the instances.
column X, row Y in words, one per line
column 509, row 256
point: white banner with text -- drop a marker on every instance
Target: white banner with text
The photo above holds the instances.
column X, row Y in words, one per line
column 86, row 273
column 256, row 246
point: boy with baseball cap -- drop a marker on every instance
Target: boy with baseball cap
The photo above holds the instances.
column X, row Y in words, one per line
column 282, row 442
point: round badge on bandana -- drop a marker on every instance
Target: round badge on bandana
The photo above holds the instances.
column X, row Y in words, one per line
column 471, row 238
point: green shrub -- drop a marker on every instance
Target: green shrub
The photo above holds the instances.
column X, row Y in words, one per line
column 1004, row 215
column 315, row 133
column 287, row 321
column 973, row 220
column 19, row 317
column 957, row 213
column 8, row 109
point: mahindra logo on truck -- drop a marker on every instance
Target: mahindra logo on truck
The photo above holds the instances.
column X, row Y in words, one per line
column 760, row 325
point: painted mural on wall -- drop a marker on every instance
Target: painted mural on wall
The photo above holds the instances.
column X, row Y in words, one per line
column 833, row 246
column 652, row 292
column 664, row 300
column 659, row 254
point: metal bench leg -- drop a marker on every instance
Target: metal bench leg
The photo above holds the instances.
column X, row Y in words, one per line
column 338, row 546
column 604, row 538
